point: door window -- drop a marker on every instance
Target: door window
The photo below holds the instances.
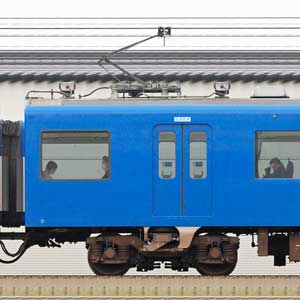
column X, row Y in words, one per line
column 198, row 155
column 167, row 155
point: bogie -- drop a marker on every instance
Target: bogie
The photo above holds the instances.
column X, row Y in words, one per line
column 210, row 254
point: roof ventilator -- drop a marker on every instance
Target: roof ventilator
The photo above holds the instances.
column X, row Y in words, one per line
column 269, row 91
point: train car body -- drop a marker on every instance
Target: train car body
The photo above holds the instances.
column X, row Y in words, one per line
column 229, row 192
column 140, row 172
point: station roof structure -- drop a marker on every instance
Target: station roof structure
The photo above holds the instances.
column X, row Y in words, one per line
column 152, row 65
column 199, row 49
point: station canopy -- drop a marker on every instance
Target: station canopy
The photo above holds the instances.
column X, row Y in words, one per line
column 203, row 49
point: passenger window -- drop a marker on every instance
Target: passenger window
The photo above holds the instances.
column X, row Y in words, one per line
column 198, row 155
column 75, row 155
column 167, row 155
column 277, row 154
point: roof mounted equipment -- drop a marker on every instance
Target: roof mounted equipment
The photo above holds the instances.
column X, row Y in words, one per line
column 222, row 88
column 137, row 90
column 140, row 87
column 269, row 91
column 67, row 88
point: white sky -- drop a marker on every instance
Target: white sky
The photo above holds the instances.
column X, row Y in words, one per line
column 150, row 8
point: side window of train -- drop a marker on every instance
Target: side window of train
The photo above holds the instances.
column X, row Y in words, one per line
column 198, row 155
column 277, row 154
column 75, row 155
column 167, row 155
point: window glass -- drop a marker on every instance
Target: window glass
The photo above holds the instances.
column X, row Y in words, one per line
column 198, row 155
column 80, row 155
column 277, row 154
column 167, row 155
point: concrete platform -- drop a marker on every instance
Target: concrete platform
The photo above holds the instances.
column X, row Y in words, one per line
column 148, row 287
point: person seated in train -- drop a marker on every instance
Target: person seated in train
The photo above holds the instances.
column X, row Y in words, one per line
column 277, row 168
column 105, row 167
column 51, row 168
column 290, row 169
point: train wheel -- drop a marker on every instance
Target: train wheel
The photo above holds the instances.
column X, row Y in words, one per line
column 216, row 269
column 108, row 269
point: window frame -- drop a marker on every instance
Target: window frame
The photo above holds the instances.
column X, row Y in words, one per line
column 158, row 154
column 206, row 154
column 256, row 161
column 74, row 131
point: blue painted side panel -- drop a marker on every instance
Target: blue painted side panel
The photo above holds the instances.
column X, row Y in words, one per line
column 238, row 198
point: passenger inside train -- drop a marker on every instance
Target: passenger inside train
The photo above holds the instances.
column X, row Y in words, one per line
column 51, row 168
column 277, row 168
column 105, row 167
column 277, row 154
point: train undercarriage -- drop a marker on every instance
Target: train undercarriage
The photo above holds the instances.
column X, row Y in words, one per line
column 212, row 251
column 113, row 251
column 115, row 254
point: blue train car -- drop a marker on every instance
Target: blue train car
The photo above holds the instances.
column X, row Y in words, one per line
column 171, row 164
column 169, row 180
